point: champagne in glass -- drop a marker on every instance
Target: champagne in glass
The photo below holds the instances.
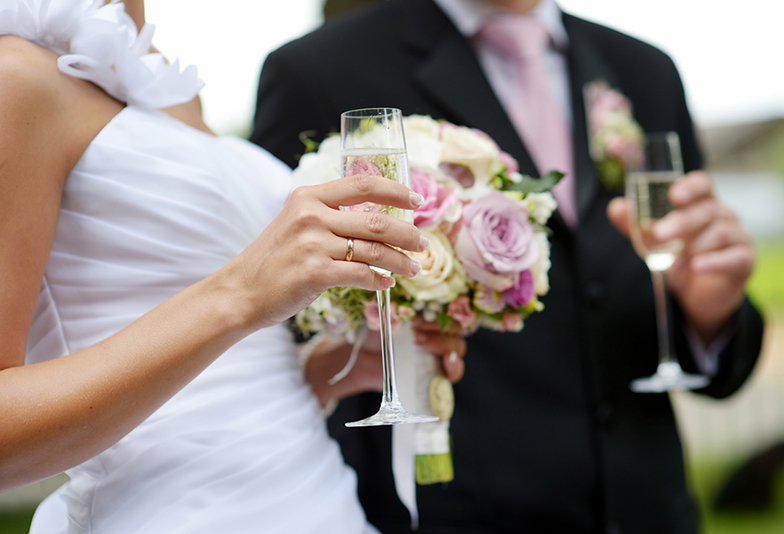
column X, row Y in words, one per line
column 648, row 185
column 650, row 191
column 373, row 143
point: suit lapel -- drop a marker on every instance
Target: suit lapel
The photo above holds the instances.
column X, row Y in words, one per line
column 586, row 65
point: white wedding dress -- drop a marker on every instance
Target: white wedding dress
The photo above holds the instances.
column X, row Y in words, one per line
column 151, row 207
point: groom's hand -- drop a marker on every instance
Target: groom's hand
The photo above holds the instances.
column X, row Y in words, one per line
column 449, row 346
column 367, row 374
column 709, row 278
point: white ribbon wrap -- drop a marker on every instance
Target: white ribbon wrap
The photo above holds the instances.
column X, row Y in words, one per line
column 414, row 369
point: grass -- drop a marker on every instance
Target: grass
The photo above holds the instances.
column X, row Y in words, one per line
column 708, row 477
column 16, row 522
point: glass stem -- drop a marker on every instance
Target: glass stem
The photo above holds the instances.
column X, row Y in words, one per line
column 662, row 319
column 389, row 391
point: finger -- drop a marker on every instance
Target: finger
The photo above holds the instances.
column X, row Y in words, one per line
column 375, row 254
column 693, row 187
column 618, row 213
column 689, row 222
column 450, row 349
column 419, row 324
column 454, row 367
column 375, row 226
column 737, row 262
column 353, row 274
column 438, row 343
column 721, row 234
column 361, row 188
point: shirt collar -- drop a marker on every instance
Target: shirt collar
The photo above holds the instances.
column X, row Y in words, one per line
column 469, row 16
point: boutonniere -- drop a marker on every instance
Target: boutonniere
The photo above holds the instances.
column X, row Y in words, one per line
column 613, row 133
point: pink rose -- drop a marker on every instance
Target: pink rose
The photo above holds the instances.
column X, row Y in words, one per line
column 497, row 241
column 405, row 313
column 363, row 166
column 513, row 322
column 521, row 293
column 460, row 310
column 509, row 162
column 603, row 100
column 438, row 199
column 373, row 321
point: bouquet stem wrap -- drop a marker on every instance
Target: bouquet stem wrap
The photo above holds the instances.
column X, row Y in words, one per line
column 420, row 453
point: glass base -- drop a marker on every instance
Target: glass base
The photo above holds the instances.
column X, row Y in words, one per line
column 669, row 377
column 392, row 414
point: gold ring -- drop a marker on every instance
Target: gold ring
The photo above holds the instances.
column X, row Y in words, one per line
column 350, row 250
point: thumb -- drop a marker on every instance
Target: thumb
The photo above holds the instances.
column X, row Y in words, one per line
column 618, row 213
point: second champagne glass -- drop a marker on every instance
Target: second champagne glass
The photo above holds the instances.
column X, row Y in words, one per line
column 652, row 172
column 372, row 142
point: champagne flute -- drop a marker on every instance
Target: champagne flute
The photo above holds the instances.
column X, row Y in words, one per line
column 372, row 142
column 651, row 173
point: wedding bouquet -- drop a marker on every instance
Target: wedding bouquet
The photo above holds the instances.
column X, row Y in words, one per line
column 486, row 267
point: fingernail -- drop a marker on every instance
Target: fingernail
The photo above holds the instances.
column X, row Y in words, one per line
column 416, row 198
column 388, row 282
column 453, row 357
column 424, row 243
column 416, row 267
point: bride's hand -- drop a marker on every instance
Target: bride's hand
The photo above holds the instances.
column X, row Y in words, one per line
column 304, row 250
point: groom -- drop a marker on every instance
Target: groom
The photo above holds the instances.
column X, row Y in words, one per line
column 547, row 436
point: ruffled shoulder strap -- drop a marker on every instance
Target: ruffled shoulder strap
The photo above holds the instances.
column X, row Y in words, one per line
column 99, row 42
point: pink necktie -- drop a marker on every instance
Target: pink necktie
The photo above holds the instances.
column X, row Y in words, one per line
column 536, row 116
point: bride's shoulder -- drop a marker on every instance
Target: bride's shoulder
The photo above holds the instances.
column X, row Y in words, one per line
column 36, row 98
column 26, row 69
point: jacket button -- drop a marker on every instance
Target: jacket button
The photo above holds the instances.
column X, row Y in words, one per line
column 604, row 412
column 594, row 293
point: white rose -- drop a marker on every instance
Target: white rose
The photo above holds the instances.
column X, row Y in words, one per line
column 319, row 167
column 423, row 150
column 542, row 265
column 421, row 124
column 422, row 142
column 442, row 277
column 464, row 146
column 541, row 206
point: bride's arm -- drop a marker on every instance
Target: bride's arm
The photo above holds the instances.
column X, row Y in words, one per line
column 59, row 413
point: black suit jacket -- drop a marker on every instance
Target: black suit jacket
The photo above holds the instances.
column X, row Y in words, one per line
column 547, row 435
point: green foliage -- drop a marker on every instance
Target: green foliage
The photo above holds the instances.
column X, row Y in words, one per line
column 536, row 185
column 611, row 174
column 306, row 137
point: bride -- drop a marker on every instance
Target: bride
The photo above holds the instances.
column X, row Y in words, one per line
column 135, row 249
